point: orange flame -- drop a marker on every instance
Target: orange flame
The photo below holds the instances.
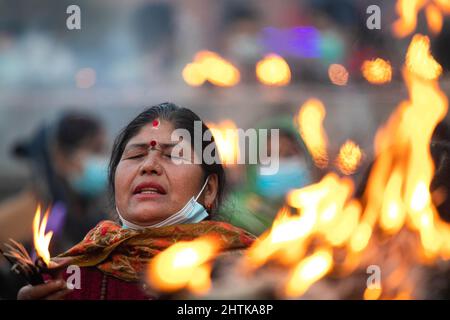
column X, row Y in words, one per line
column 419, row 60
column 397, row 195
column 273, row 70
column 372, row 293
column 310, row 122
column 40, row 238
column 404, row 168
column 349, row 157
column 183, row 265
column 308, row 271
column 338, row 74
column 193, row 74
column 434, row 18
column 285, row 240
column 210, row 66
column 408, row 11
column 226, row 137
column 320, row 206
column 377, row 71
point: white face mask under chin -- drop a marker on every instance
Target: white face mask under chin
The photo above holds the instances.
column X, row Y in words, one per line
column 192, row 212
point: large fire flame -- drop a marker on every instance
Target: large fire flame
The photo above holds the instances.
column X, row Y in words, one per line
column 408, row 11
column 397, row 196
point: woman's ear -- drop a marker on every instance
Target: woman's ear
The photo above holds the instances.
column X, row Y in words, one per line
column 211, row 191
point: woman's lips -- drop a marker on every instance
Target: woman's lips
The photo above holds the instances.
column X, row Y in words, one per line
column 148, row 190
column 147, row 196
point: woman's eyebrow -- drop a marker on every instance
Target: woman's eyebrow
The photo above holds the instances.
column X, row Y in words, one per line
column 136, row 146
column 142, row 145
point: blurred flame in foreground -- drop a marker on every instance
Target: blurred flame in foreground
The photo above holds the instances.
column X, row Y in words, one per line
column 396, row 196
column 349, row 157
column 408, row 11
column 183, row 265
column 309, row 271
column 273, row 70
column 40, row 238
column 226, row 137
column 210, row 66
column 377, row 71
column 310, row 122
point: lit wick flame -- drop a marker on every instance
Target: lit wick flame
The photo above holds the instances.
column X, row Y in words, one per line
column 349, row 158
column 377, row 71
column 210, row 66
column 273, row 70
column 183, row 265
column 310, row 122
column 226, row 138
column 40, row 238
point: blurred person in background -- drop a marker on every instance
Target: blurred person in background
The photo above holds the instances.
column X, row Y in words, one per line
column 68, row 169
column 69, row 175
column 254, row 206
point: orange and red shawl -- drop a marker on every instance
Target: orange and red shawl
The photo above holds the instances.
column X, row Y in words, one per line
column 124, row 253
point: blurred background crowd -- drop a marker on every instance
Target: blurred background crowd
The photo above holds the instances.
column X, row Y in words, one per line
column 65, row 94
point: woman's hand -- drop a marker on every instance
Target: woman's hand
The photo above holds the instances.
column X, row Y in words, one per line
column 55, row 289
column 51, row 290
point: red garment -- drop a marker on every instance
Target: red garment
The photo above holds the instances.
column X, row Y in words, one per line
column 112, row 260
column 95, row 285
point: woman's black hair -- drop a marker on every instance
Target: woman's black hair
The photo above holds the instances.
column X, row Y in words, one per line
column 180, row 118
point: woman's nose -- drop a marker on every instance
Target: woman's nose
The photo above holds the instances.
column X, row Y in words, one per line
column 151, row 164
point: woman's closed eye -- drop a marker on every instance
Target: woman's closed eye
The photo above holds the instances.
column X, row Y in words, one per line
column 134, row 156
column 173, row 156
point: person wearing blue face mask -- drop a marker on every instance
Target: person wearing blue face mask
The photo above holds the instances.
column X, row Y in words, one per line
column 68, row 174
column 254, row 206
column 91, row 181
column 293, row 173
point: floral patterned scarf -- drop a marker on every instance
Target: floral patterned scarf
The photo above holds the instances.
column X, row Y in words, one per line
column 124, row 253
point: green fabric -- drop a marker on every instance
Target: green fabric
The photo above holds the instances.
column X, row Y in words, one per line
column 244, row 207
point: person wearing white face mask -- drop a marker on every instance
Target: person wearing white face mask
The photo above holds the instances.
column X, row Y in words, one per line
column 192, row 212
column 254, row 206
column 158, row 202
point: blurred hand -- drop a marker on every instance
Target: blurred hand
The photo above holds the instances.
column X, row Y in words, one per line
column 51, row 290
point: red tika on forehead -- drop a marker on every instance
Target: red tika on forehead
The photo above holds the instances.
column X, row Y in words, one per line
column 153, row 143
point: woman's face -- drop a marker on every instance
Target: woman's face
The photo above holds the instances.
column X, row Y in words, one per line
column 149, row 186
